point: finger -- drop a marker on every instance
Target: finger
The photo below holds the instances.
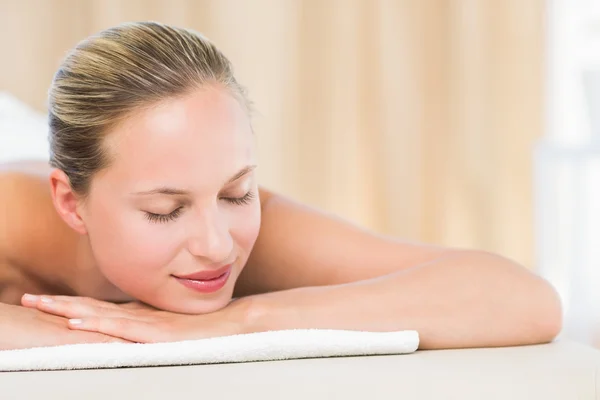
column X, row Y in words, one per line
column 72, row 309
column 94, row 337
column 124, row 328
column 85, row 300
column 29, row 300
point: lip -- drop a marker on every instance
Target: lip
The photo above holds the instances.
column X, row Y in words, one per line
column 205, row 275
column 206, row 281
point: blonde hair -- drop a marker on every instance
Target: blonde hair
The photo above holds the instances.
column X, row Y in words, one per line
column 109, row 75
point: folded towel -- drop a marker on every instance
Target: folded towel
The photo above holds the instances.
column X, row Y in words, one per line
column 262, row 346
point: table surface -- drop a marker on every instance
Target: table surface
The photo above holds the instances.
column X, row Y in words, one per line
column 560, row 370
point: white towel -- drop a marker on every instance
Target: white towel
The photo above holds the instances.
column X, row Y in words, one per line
column 23, row 131
column 262, row 346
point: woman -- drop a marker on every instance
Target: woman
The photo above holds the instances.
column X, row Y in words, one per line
column 151, row 221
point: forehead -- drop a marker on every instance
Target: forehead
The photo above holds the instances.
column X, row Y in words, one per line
column 206, row 133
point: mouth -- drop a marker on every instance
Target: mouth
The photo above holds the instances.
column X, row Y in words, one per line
column 206, row 281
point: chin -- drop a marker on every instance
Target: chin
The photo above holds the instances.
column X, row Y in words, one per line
column 195, row 306
column 184, row 301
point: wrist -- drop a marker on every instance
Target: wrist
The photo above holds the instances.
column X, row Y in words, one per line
column 254, row 310
column 289, row 309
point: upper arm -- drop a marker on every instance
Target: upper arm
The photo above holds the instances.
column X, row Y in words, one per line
column 300, row 246
column 8, row 201
column 10, row 237
column 21, row 205
column 32, row 235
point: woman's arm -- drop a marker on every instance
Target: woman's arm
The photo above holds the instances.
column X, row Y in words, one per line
column 347, row 278
column 22, row 328
column 467, row 299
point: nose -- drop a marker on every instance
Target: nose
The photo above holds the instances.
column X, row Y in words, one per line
column 209, row 236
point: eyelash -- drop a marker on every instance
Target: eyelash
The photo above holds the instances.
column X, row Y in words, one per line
column 163, row 218
column 240, row 201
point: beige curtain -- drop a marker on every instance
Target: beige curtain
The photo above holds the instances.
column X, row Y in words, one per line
column 414, row 118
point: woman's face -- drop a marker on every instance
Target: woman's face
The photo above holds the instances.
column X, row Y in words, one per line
column 179, row 199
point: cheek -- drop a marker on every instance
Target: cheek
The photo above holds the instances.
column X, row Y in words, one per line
column 245, row 227
column 127, row 246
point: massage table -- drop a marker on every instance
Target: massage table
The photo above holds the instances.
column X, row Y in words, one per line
column 563, row 370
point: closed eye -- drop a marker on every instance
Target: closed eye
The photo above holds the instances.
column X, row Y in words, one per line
column 163, row 218
column 246, row 199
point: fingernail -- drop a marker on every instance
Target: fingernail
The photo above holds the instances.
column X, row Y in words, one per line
column 46, row 300
column 30, row 297
column 75, row 321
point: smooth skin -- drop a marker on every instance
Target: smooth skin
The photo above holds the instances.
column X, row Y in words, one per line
column 180, row 196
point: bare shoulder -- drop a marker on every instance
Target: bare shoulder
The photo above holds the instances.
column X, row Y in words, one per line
column 299, row 245
column 31, row 232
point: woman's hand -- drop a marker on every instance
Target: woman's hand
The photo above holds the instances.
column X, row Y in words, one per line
column 22, row 328
column 138, row 322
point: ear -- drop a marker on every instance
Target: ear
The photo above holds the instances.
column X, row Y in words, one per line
column 66, row 201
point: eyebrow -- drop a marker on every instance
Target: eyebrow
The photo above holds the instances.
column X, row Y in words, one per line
column 178, row 192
